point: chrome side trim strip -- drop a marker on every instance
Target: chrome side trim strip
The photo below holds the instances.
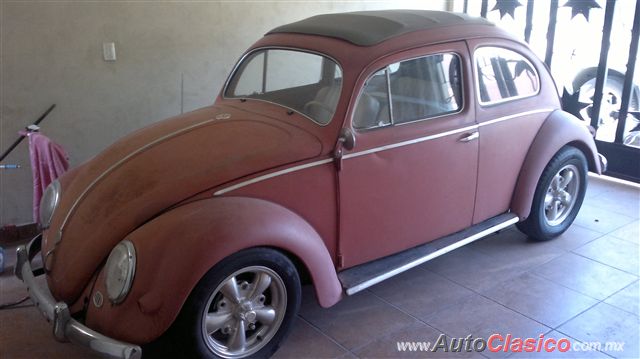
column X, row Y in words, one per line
column 438, row 253
column 271, row 175
column 409, row 142
column 377, row 149
column 520, row 114
column 120, row 162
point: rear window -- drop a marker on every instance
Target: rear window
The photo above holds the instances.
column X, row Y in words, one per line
column 504, row 75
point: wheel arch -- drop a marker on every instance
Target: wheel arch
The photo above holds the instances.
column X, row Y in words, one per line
column 208, row 230
column 558, row 130
column 594, row 166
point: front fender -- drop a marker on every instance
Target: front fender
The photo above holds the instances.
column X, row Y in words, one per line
column 176, row 249
column 558, row 130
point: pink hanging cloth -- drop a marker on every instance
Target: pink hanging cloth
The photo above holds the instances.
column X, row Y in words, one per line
column 48, row 162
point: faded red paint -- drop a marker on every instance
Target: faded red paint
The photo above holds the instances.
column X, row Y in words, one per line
column 155, row 187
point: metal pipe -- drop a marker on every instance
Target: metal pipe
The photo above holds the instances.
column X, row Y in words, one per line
column 627, row 87
column 17, row 142
column 601, row 76
column 483, row 8
column 529, row 21
column 551, row 32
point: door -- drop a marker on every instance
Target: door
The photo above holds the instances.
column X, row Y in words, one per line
column 512, row 104
column 411, row 177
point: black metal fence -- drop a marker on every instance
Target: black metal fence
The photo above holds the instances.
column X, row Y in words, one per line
column 622, row 110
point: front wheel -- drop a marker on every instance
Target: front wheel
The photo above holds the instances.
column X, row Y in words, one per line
column 558, row 196
column 243, row 307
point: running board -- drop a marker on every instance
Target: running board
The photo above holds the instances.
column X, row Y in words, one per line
column 365, row 275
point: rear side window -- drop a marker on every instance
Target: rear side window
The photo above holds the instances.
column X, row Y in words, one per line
column 504, row 75
column 410, row 90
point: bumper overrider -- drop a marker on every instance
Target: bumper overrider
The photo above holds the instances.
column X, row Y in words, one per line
column 603, row 162
column 66, row 328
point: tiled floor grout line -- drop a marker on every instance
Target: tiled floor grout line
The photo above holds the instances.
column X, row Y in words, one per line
column 530, row 271
column 324, row 334
column 605, row 264
column 615, row 306
column 577, row 315
column 490, row 299
column 494, row 301
column 563, row 286
column 416, row 318
column 602, row 234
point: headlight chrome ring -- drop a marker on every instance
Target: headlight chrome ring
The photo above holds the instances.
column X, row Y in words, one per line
column 49, row 203
column 119, row 271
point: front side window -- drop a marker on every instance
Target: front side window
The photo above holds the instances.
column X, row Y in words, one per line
column 504, row 75
column 411, row 90
column 307, row 83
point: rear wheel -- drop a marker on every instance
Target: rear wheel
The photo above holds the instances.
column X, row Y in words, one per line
column 242, row 308
column 558, row 196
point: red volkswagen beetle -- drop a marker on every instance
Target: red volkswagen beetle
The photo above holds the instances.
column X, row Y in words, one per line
column 343, row 149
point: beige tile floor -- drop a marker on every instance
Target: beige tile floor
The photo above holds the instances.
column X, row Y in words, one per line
column 582, row 286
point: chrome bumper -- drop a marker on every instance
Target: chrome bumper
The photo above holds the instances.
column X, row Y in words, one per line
column 66, row 328
column 603, row 163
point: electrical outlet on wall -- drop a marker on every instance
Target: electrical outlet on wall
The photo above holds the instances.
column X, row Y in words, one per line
column 109, row 51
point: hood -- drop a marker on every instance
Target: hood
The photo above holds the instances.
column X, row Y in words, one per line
column 152, row 169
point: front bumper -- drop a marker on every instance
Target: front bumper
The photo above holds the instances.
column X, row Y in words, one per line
column 66, row 328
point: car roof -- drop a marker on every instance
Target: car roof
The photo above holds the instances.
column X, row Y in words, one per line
column 368, row 28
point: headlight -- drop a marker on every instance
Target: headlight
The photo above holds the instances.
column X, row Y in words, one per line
column 120, row 268
column 48, row 203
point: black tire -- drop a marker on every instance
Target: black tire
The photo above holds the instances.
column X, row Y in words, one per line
column 543, row 222
column 187, row 339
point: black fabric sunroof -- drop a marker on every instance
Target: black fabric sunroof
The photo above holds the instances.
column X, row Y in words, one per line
column 366, row 28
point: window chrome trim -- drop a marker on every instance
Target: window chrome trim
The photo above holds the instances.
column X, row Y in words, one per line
column 389, row 94
column 264, row 48
column 374, row 150
column 513, row 98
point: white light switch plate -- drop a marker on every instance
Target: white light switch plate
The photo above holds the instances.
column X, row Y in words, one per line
column 109, row 51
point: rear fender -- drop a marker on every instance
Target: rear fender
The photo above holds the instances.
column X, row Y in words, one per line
column 558, row 130
column 176, row 249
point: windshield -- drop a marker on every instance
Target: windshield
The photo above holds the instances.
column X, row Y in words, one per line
column 307, row 83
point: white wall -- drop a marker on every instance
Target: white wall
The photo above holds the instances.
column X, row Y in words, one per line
column 171, row 57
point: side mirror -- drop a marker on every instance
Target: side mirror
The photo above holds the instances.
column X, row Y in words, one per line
column 347, row 139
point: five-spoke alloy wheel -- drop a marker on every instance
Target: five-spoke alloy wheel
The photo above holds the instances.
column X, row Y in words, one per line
column 561, row 195
column 243, row 307
column 244, row 312
column 558, row 196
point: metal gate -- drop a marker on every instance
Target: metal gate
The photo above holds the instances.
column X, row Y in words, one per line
column 610, row 98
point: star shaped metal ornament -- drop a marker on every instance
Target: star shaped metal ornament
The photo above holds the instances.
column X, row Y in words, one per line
column 581, row 7
column 572, row 104
column 506, row 7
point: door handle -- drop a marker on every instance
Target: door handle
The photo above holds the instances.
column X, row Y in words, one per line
column 470, row 137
